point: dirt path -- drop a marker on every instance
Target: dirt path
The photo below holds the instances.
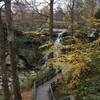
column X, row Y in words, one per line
column 27, row 95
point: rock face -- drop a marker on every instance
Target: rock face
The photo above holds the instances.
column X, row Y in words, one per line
column 68, row 42
column 27, row 54
column 31, row 45
column 65, row 50
column 20, row 63
column 65, row 33
column 50, row 55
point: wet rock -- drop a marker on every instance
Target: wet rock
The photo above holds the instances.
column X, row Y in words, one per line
column 46, row 33
column 43, row 39
column 28, row 54
column 18, row 32
column 65, row 50
column 66, row 34
column 50, row 55
column 68, row 42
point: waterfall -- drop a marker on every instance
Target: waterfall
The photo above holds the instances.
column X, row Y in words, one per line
column 56, row 51
column 57, row 45
column 58, row 39
column 46, row 61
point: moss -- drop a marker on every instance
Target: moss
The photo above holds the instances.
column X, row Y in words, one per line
column 26, row 84
column 21, row 39
column 33, row 33
column 1, row 97
column 46, row 45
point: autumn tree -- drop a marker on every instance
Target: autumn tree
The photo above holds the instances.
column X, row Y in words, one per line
column 71, row 7
column 20, row 15
column 90, row 6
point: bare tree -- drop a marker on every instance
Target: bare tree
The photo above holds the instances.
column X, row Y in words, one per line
column 3, row 67
column 90, row 7
column 51, row 18
column 12, row 51
column 71, row 7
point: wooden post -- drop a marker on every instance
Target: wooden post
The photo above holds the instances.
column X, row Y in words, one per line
column 51, row 94
column 34, row 91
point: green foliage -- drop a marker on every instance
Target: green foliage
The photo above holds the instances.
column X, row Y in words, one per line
column 1, row 97
column 95, row 62
column 90, row 89
column 97, row 15
column 46, row 45
column 26, row 84
column 43, row 74
column 31, row 33
column 20, row 40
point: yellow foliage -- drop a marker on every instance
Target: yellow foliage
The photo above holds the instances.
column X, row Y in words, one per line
column 91, row 21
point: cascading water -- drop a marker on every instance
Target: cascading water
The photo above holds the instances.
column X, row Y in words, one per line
column 45, row 58
column 57, row 45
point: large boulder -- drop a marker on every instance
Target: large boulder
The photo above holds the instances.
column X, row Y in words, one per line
column 65, row 33
column 28, row 54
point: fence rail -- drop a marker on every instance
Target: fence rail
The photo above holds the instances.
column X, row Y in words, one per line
column 34, row 91
column 51, row 94
column 41, row 81
column 46, row 78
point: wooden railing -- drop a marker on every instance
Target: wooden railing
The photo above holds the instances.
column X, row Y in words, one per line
column 41, row 81
column 34, row 92
column 51, row 94
column 46, row 78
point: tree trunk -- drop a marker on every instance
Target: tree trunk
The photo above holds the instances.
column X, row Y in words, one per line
column 12, row 51
column 3, row 67
column 72, row 7
column 72, row 22
column 51, row 19
column 72, row 16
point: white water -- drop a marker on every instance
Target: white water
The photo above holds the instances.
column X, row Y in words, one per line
column 57, row 45
column 56, row 48
column 46, row 61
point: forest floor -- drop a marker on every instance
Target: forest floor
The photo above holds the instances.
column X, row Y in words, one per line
column 27, row 95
